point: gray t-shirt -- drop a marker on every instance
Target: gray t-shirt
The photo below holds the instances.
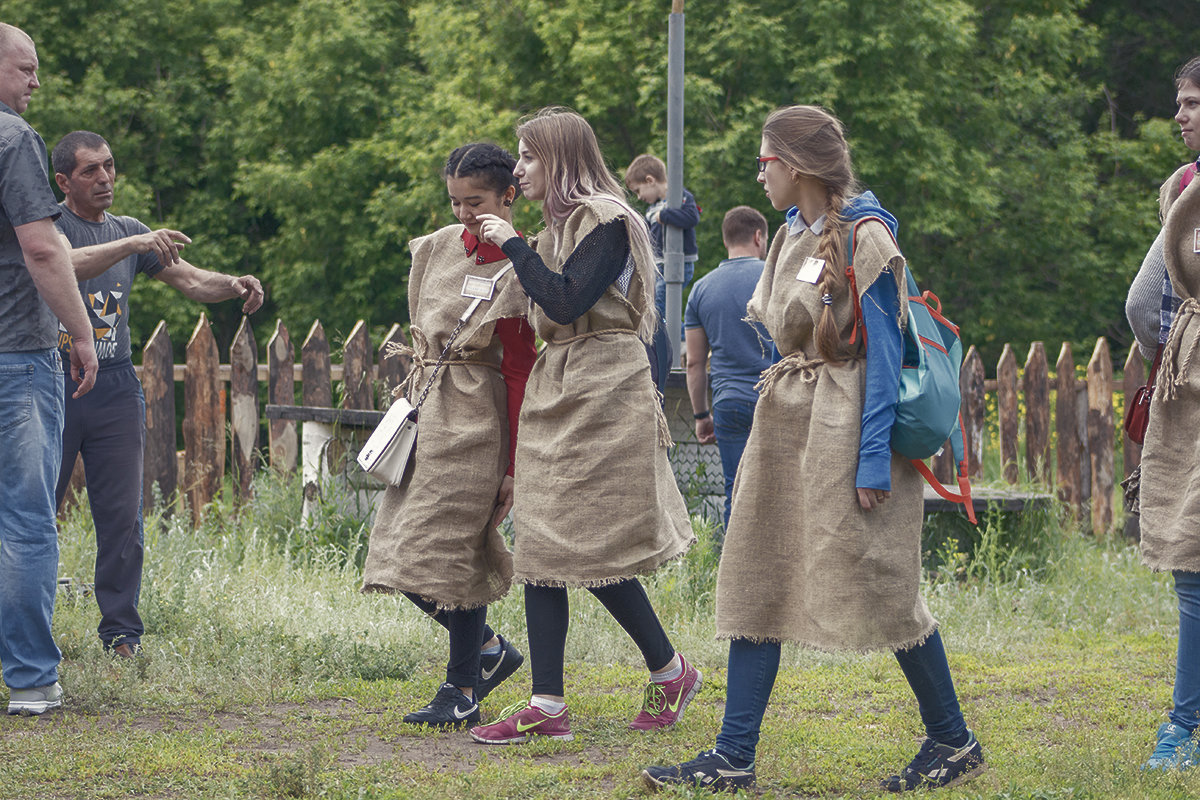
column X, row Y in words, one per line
column 26, row 322
column 107, row 295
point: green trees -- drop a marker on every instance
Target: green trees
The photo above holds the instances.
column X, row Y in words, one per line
column 1019, row 143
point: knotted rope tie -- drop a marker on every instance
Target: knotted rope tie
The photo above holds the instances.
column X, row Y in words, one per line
column 794, row 362
column 579, row 337
column 419, row 362
column 1172, row 373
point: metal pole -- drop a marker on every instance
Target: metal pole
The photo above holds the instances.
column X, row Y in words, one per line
column 673, row 246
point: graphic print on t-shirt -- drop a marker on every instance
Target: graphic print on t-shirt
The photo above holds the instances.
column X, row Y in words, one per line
column 104, row 310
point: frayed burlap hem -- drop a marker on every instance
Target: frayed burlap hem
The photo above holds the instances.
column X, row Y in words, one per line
column 1160, row 564
column 597, row 583
column 893, row 647
column 382, row 588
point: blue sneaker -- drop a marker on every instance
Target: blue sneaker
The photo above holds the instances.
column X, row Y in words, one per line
column 1176, row 748
column 708, row 770
column 936, row 765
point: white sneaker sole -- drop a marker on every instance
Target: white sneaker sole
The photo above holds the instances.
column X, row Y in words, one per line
column 32, row 708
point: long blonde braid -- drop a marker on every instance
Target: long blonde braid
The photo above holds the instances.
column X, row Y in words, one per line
column 833, row 278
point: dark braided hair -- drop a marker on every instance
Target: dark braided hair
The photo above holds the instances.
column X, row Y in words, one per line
column 488, row 162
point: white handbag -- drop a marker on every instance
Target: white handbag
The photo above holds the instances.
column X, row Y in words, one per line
column 389, row 449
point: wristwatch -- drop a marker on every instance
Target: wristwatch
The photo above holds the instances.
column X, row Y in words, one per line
column 702, row 415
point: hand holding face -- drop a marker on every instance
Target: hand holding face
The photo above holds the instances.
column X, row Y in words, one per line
column 494, row 229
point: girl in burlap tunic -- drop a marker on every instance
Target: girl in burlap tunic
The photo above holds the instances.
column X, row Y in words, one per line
column 823, row 546
column 435, row 537
column 1170, row 471
column 596, row 501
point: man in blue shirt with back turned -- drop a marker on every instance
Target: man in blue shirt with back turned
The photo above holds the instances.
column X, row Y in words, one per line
column 715, row 318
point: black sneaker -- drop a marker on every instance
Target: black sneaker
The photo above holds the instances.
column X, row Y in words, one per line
column 450, row 708
column 937, row 765
column 494, row 670
column 708, row 770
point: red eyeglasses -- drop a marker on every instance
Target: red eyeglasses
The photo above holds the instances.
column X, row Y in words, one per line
column 762, row 162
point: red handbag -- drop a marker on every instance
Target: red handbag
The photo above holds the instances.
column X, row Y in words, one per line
column 1137, row 413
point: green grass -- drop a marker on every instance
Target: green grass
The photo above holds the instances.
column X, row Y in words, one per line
column 267, row 674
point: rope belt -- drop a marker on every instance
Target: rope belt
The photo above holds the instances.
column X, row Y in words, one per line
column 793, row 362
column 420, row 363
column 591, row 335
column 1176, row 364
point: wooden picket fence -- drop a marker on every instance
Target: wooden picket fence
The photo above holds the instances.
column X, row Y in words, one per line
column 219, row 396
column 1069, row 447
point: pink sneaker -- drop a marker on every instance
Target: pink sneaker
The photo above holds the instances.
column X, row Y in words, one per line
column 517, row 724
column 664, row 703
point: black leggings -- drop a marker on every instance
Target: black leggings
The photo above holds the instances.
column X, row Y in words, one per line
column 547, row 614
column 468, row 631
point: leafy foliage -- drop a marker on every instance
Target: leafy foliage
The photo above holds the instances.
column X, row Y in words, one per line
column 1020, row 144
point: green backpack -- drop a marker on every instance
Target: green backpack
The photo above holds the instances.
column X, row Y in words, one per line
column 928, row 410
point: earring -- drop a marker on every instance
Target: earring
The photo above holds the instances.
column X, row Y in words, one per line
column 507, row 203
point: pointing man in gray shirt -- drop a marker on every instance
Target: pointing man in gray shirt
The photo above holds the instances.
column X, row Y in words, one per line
column 108, row 428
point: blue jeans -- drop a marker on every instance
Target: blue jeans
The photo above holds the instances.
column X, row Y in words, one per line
column 1186, row 712
column 731, row 425
column 31, row 419
column 753, row 667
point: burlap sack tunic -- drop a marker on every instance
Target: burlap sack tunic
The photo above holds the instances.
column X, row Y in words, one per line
column 1170, row 482
column 432, row 534
column 596, row 501
column 802, row 561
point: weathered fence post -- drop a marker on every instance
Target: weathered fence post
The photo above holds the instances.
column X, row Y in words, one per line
column 1006, row 405
column 281, row 378
column 1066, row 423
column 1100, row 436
column 971, row 383
column 317, row 390
column 1133, row 378
column 356, row 369
column 158, row 384
column 392, row 369
column 243, row 407
column 1037, row 414
column 315, row 370
column 203, row 419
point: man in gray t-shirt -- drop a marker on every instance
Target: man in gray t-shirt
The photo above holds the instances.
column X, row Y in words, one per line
column 36, row 285
column 108, row 428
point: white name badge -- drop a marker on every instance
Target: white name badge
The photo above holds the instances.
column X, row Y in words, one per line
column 810, row 272
column 1196, row 241
column 478, row 288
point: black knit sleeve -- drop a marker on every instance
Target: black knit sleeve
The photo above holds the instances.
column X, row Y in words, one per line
column 592, row 267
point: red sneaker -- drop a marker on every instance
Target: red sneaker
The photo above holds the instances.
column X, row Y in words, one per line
column 517, row 724
column 663, row 704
